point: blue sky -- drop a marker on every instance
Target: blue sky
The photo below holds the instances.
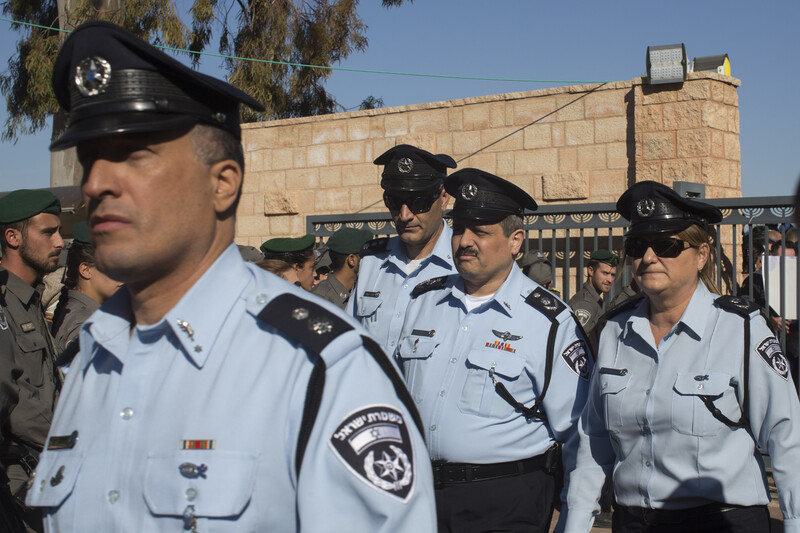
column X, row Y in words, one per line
column 556, row 40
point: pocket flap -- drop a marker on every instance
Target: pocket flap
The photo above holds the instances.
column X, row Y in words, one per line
column 367, row 306
column 218, row 483
column 702, row 383
column 505, row 364
column 612, row 383
column 30, row 342
column 416, row 348
column 55, row 478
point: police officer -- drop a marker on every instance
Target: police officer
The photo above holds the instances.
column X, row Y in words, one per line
column 343, row 247
column 588, row 302
column 687, row 388
column 497, row 366
column 297, row 253
column 31, row 243
column 207, row 395
column 390, row 268
column 85, row 288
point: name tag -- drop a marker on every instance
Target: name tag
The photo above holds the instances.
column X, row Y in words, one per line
column 63, row 442
column 370, row 294
column 27, row 327
column 424, row 332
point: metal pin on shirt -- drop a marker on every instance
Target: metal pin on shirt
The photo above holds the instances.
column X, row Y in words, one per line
column 186, row 329
column 189, row 519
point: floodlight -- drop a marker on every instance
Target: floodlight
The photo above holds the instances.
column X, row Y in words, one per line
column 718, row 64
column 666, row 63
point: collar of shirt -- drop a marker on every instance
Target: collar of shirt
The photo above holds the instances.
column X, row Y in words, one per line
column 220, row 286
column 24, row 292
column 441, row 251
column 507, row 298
column 337, row 285
column 593, row 294
column 83, row 299
column 693, row 321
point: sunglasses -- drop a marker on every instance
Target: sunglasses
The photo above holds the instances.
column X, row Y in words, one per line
column 415, row 204
column 662, row 246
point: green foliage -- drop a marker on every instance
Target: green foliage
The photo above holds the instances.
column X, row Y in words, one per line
column 310, row 32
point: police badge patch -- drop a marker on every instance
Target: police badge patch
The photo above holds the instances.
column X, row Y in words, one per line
column 374, row 444
column 584, row 316
column 770, row 351
column 577, row 359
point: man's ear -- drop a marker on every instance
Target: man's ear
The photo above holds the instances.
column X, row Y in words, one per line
column 516, row 238
column 227, row 182
column 13, row 237
column 352, row 260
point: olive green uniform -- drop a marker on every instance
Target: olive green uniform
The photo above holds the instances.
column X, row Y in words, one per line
column 29, row 381
column 331, row 289
column 587, row 305
column 79, row 308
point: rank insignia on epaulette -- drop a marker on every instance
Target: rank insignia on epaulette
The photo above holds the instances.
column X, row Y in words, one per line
column 428, row 285
column 198, row 444
column 375, row 246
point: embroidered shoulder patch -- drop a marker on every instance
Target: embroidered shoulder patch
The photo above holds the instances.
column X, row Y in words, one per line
column 770, row 351
column 584, row 316
column 374, row 444
column 577, row 358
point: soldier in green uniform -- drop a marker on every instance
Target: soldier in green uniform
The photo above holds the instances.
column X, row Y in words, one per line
column 588, row 302
column 29, row 379
column 343, row 248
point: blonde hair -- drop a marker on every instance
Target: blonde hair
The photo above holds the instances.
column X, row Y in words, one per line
column 696, row 236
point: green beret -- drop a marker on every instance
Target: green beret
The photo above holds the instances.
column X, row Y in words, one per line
column 283, row 245
column 26, row 203
column 349, row 240
column 605, row 256
column 80, row 233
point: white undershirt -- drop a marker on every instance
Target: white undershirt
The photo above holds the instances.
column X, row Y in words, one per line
column 473, row 302
column 412, row 265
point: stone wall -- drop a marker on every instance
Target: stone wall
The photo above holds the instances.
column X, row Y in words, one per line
column 563, row 145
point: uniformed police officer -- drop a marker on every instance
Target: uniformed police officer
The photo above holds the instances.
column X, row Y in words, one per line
column 390, row 268
column 343, row 247
column 588, row 302
column 297, row 253
column 498, row 368
column 31, row 243
column 688, row 386
column 208, row 395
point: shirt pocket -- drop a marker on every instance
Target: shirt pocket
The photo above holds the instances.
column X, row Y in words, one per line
column 478, row 395
column 212, row 484
column 367, row 307
column 54, row 482
column 690, row 416
column 612, row 391
column 32, row 346
column 413, row 355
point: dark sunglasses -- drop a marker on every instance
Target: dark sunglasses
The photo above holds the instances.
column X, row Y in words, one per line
column 415, row 204
column 662, row 246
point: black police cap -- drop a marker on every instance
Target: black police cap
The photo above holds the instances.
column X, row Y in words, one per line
column 410, row 169
column 485, row 197
column 655, row 208
column 110, row 82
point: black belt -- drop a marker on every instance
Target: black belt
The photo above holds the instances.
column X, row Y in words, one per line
column 655, row 517
column 445, row 473
column 20, row 455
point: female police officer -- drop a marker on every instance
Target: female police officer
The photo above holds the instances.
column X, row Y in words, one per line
column 687, row 386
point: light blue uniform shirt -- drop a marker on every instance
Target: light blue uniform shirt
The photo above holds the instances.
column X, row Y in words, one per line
column 665, row 448
column 204, row 418
column 383, row 289
column 447, row 353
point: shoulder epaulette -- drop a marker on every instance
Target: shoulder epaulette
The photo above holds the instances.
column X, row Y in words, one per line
column 546, row 302
column 432, row 284
column 734, row 304
column 303, row 321
column 627, row 305
column 375, row 246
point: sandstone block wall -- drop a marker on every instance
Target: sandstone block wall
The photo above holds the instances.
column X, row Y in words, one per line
column 563, row 145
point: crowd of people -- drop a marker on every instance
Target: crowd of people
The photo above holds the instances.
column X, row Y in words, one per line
column 431, row 381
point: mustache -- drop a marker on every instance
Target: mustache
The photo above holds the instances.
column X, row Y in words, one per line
column 468, row 250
